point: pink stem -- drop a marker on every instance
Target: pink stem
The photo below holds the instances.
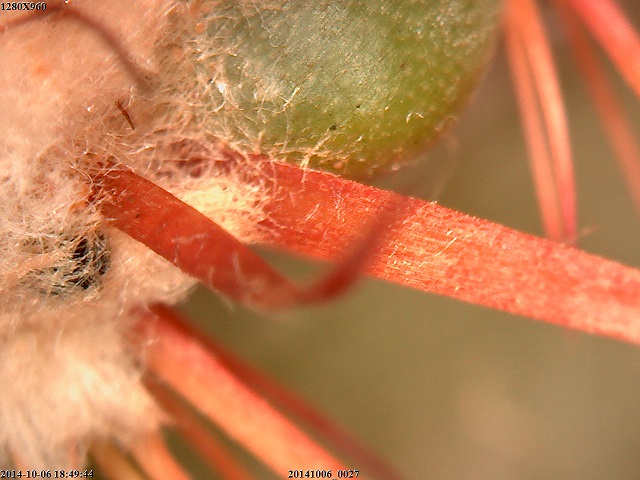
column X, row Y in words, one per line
column 434, row 249
column 212, row 451
column 524, row 18
column 539, row 161
column 617, row 36
column 285, row 400
column 615, row 122
column 188, row 368
column 113, row 464
column 156, row 460
column 442, row 251
column 186, row 237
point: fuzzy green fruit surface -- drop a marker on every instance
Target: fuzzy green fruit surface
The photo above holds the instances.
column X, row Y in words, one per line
column 348, row 86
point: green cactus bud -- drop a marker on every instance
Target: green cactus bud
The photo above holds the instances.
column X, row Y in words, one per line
column 352, row 87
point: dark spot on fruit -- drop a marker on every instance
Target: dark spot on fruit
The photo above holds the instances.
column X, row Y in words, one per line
column 333, row 127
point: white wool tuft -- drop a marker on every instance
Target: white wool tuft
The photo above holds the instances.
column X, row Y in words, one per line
column 69, row 283
column 62, row 388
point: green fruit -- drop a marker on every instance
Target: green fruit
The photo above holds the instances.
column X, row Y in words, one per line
column 348, row 86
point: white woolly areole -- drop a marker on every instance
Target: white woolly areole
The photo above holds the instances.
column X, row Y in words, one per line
column 62, row 388
column 69, row 283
